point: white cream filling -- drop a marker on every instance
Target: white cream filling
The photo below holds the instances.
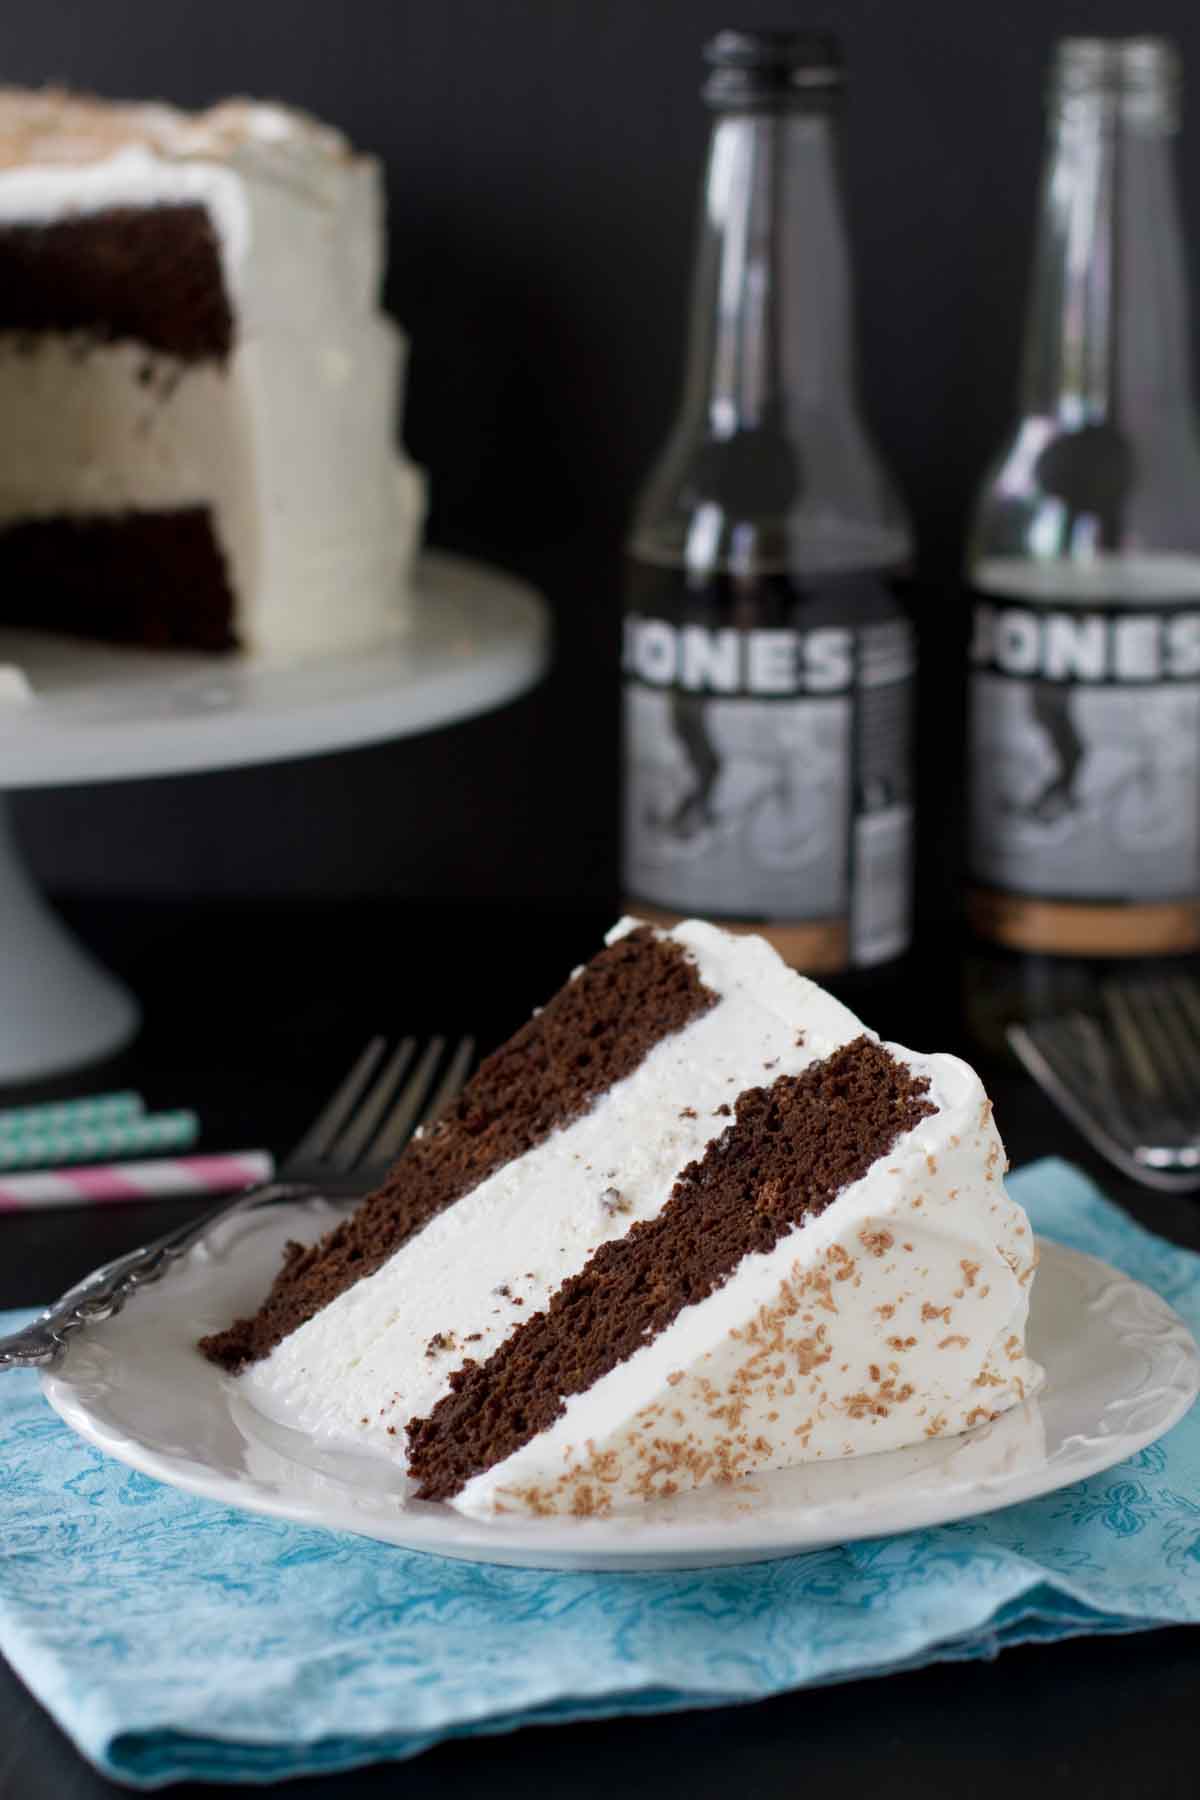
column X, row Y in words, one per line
column 363, row 1366
column 897, row 1314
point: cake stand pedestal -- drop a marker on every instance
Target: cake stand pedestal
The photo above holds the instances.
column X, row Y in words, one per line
column 101, row 713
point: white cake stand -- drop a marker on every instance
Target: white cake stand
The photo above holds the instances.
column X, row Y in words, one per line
column 107, row 714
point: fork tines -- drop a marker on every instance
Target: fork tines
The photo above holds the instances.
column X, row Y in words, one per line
column 383, row 1100
column 1129, row 1077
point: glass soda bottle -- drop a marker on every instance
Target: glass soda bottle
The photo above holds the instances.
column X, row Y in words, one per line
column 768, row 662
column 1083, row 775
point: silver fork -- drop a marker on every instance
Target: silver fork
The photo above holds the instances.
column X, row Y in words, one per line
column 1130, row 1080
column 356, row 1135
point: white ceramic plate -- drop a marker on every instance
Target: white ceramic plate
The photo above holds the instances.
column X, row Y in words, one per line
column 1121, row 1368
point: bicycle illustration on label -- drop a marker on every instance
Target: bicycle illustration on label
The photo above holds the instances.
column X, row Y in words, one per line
column 724, row 796
column 1085, row 791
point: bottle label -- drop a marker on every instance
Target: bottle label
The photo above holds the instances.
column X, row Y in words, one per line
column 767, row 778
column 1084, row 776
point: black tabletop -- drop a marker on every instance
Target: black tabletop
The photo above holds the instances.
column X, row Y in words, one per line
column 251, row 1011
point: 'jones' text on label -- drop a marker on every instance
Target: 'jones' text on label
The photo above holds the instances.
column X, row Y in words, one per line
column 729, row 661
column 1075, row 646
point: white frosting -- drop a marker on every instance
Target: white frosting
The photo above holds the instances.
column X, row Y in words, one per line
column 382, row 1352
column 897, row 1314
column 51, row 125
column 360, row 1366
column 291, row 443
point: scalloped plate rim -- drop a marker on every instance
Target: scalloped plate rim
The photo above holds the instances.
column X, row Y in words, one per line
column 755, row 1522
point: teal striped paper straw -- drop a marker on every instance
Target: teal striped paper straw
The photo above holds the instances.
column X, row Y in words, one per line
column 38, row 1150
column 71, row 1115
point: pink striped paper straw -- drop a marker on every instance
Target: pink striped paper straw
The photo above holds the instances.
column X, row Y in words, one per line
column 160, row 1178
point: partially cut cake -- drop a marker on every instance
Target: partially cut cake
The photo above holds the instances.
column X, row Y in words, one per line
column 693, row 1221
column 199, row 392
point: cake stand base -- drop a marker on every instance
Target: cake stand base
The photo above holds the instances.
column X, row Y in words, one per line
column 100, row 712
column 58, row 1009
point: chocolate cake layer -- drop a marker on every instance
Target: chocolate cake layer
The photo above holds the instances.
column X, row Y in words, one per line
column 594, row 1032
column 150, row 274
column 791, row 1149
column 156, row 579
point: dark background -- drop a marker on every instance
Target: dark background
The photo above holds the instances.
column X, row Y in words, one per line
column 543, row 158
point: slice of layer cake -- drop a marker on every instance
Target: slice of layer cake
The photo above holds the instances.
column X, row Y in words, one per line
column 692, row 1221
column 198, row 389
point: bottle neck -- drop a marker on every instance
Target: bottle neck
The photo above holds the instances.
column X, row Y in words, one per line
column 771, row 334
column 1107, row 337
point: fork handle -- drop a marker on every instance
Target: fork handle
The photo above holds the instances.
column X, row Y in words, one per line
column 105, row 1291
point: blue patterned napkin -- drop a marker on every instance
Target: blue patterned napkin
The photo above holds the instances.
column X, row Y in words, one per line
column 173, row 1639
